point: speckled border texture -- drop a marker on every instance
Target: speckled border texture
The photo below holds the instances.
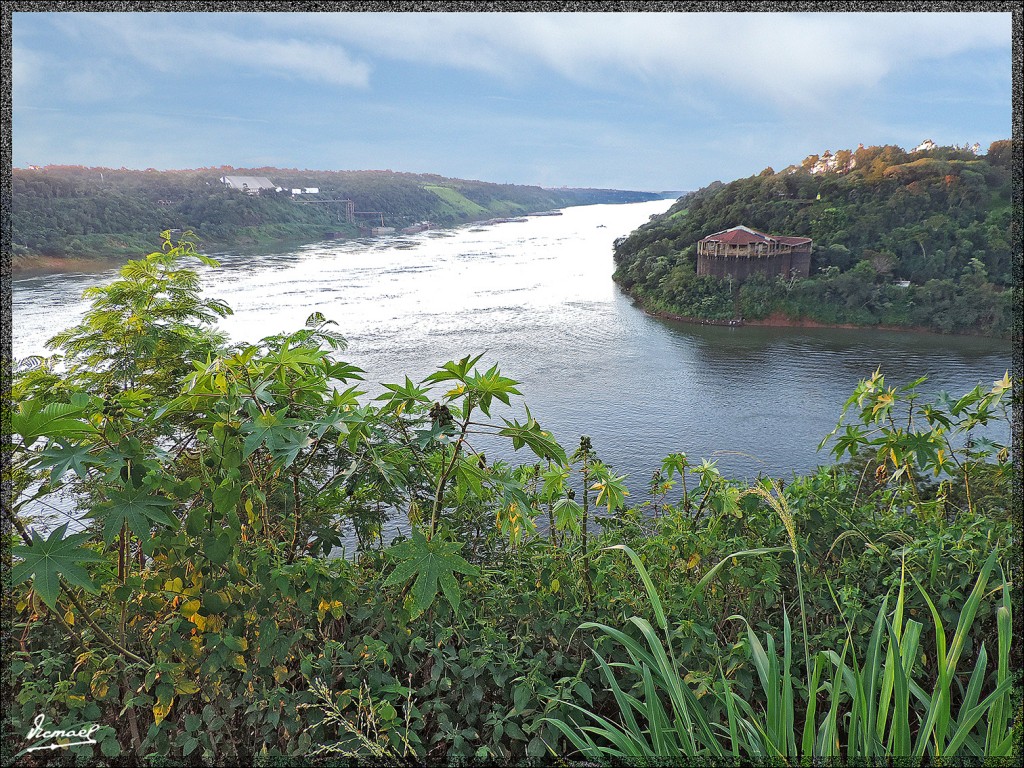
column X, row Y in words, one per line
column 1016, row 8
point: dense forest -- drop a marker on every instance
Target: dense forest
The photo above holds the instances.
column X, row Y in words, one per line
column 940, row 219
column 62, row 211
column 195, row 610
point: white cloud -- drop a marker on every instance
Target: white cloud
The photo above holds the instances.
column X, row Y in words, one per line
column 190, row 42
column 791, row 58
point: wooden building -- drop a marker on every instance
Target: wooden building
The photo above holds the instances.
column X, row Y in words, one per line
column 741, row 252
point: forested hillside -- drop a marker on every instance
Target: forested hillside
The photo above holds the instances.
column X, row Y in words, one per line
column 941, row 219
column 61, row 211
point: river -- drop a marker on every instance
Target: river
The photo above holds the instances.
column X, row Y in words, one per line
column 536, row 297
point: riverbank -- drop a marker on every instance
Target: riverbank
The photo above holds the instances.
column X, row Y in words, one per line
column 27, row 266
column 252, row 240
column 779, row 320
column 266, row 239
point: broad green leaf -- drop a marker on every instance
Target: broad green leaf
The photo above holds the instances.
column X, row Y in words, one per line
column 452, row 371
column 536, row 439
column 47, row 560
column 275, row 431
column 489, row 385
column 138, row 508
column 32, row 420
column 568, row 515
column 217, row 547
column 611, row 489
column 64, row 456
column 434, row 563
column 402, row 397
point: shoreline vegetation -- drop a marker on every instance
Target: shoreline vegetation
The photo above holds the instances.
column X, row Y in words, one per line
column 861, row 613
column 779, row 320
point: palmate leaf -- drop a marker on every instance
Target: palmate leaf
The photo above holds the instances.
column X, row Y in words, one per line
column 452, row 371
column 64, row 456
column 489, row 385
column 33, row 420
column 49, row 559
column 531, row 435
column 434, row 564
column 402, row 397
column 138, row 508
column 274, row 430
column 611, row 488
column 567, row 515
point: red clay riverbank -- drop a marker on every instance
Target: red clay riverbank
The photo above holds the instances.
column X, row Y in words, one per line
column 779, row 320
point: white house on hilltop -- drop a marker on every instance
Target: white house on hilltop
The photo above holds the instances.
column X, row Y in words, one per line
column 830, row 163
column 252, row 185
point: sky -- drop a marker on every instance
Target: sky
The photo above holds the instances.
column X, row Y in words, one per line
column 640, row 101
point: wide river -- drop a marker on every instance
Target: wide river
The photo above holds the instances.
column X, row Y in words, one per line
column 537, row 298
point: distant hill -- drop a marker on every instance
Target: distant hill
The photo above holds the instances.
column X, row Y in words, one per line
column 73, row 211
column 880, row 217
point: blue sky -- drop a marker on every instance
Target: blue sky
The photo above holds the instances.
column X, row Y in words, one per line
column 666, row 101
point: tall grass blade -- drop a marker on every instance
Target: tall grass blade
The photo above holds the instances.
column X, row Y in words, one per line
column 937, row 723
column 652, row 593
column 999, row 717
column 900, row 734
column 807, row 742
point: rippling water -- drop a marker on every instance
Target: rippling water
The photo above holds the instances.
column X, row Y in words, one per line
column 537, row 298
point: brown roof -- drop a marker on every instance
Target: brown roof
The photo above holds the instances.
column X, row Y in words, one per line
column 738, row 236
column 745, row 236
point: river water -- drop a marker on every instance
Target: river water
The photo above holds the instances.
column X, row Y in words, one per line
column 536, row 297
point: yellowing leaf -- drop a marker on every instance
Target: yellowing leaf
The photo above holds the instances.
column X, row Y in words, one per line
column 190, row 607
column 99, row 686
column 160, row 711
column 998, row 387
column 692, row 562
column 69, row 617
column 884, row 400
column 186, row 686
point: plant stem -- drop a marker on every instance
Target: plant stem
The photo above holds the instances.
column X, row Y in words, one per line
column 298, row 517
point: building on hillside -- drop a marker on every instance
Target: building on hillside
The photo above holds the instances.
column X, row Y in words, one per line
column 252, row 185
column 840, row 162
column 826, row 163
column 741, row 252
column 925, row 146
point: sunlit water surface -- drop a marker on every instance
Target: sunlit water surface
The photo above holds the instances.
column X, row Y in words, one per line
column 537, row 299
